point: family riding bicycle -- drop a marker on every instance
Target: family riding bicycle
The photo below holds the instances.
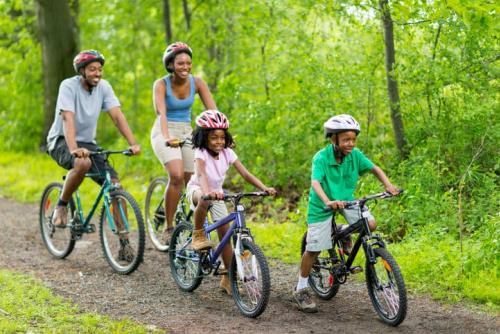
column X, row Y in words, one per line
column 198, row 160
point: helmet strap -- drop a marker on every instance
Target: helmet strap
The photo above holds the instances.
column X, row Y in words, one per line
column 336, row 149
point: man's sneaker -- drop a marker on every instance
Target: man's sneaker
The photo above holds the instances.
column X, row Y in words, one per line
column 126, row 253
column 304, row 301
column 166, row 235
column 60, row 216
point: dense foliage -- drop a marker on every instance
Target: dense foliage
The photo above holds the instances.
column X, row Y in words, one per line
column 280, row 68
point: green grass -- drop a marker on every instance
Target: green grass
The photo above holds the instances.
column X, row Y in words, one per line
column 27, row 306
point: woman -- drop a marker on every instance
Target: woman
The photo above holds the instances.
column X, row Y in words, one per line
column 173, row 97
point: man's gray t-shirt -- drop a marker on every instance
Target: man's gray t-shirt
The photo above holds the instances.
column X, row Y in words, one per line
column 85, row 105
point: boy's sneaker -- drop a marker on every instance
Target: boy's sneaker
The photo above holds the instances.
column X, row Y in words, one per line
column 304, row 301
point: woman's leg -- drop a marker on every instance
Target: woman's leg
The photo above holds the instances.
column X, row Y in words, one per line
column 175, row 170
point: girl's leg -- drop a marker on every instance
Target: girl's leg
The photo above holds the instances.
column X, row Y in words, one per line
column 200, row 240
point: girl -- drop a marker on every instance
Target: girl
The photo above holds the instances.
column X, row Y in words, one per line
column 173, row 96
column 213, row 156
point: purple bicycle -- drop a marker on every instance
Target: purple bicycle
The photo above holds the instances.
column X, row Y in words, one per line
column 248, row 272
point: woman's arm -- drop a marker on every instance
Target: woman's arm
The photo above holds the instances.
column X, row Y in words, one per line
column 159, row 92
column 204, row 93
column 250, row 178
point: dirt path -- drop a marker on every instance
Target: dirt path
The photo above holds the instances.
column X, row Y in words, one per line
column 151, row 297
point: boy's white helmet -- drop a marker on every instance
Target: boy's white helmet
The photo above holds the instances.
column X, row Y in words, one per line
column 341, row 123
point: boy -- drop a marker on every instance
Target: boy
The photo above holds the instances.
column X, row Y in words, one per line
column 335, row 172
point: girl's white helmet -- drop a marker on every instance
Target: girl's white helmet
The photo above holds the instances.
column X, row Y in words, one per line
column 341, row 123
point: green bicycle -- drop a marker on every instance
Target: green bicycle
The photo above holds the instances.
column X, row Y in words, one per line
column 120, row 224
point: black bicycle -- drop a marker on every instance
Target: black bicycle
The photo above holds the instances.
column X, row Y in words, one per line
column 384, row 280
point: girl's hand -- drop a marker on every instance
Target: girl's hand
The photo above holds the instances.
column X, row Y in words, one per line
column 336, row 204
column 393, row 190
column 214, row 195
column 270, row 190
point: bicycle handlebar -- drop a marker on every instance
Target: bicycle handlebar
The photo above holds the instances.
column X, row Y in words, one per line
column 127, row 152
column 237, row 196
column 181, row 142
column 362, row 201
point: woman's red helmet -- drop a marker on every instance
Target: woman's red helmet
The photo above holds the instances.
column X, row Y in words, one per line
column 173, row 50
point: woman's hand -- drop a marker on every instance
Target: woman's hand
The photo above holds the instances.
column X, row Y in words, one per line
column 173, row 142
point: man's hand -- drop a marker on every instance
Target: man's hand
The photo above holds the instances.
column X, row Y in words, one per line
column 136, row 149
column 80, row 152
column 336, row 204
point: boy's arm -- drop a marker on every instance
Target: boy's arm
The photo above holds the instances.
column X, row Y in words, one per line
column 379, row 173
column 322, row 195
column 250, row 178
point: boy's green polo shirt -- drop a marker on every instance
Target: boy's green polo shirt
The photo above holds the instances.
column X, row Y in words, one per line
column 337, row 180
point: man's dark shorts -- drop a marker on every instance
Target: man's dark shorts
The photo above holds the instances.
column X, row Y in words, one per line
column 63, row 157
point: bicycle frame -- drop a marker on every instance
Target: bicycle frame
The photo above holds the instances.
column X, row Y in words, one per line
column 104, row 192
column 239, row 223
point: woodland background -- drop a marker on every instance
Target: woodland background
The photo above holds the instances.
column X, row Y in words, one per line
column 420, row 76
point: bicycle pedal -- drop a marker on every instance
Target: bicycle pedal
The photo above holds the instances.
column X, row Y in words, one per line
column 356, row 270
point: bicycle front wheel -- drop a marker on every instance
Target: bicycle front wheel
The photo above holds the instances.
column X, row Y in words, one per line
column 59, row 241
column 184, row 262
column 154, row 211
column 250, row 280
column 321, row 279
column 121, row 230
column 386, row 287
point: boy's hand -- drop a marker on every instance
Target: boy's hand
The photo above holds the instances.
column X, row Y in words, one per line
column 270, row 190
column 336, row 204
column 393, row 190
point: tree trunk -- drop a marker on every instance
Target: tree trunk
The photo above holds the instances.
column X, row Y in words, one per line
column 392, row 84
column 167, row 21
column 187, row 14
column 59, row 39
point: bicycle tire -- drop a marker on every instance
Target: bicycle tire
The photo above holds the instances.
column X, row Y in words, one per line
column 321, row 279
column 250, row 293
column 386, row 288
column 58, row 241
column 154, row 211
column 133, row 229
column 185, row 263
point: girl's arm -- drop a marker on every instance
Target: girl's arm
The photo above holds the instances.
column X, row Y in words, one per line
column 199, row 166
column 205, row 95
column 250, row 178
column 379, row 173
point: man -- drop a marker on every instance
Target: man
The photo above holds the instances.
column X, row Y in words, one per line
column 79, row 103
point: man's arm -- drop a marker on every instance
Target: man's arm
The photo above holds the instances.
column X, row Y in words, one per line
column 70, row 135
column 120, row 121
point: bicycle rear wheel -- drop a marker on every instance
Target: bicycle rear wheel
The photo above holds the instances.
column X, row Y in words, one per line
column 184, row 262
column 321, row 280
column 121, row 230
column 154, row 211
column 386, row 287
column 59, row 241
column 250, row 280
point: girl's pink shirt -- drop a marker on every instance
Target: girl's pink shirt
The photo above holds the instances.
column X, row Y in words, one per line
column 216, row 169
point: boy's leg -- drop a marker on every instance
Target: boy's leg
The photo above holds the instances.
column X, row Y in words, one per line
column 318, row 239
